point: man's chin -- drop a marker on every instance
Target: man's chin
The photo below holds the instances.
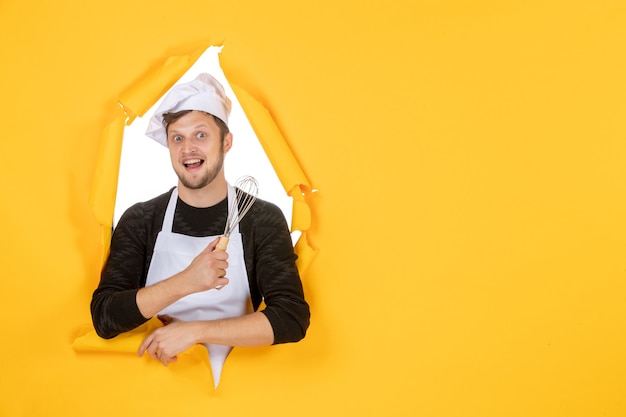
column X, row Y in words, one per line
column 194, row 185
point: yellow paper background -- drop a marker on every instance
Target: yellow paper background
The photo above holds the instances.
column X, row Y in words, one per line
column 469, row 157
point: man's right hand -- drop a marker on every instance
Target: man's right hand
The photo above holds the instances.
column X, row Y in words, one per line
column 208, row 270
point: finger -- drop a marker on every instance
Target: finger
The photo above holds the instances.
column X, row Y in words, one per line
column 212, row 245
column 165, row 360
column 169, row 360
column 221, row 283
column 152, row 350
column 144, row 345
column 220, row 258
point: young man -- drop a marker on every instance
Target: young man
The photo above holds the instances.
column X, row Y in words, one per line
column 163, row 260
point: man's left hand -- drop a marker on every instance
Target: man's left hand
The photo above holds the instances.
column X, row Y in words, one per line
column 166, row 342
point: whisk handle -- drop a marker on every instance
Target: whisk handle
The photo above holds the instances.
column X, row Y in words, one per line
column 222, row 244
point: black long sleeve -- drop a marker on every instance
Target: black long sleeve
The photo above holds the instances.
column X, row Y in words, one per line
column 268, row 252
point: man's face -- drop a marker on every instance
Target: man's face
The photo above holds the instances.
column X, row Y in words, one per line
column 196, row 149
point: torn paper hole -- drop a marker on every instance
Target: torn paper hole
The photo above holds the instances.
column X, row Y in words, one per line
column 107, row 189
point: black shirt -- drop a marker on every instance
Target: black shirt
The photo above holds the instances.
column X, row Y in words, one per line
column 268, row 255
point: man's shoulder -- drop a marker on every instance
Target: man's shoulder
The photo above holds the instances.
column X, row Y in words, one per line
column 264, row 206
column 264, row 212
column 160, row 200
column 146, row 210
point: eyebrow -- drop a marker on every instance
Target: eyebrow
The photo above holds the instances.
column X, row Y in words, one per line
column 193, row 128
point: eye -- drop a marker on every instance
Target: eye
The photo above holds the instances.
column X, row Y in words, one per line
column 177, row 138
column 201, row 135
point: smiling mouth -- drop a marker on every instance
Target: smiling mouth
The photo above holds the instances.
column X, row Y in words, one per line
column 193, row 163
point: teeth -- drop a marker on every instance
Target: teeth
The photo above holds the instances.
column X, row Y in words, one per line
column 192, row 161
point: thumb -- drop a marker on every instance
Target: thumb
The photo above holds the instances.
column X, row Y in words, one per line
column 212, row 245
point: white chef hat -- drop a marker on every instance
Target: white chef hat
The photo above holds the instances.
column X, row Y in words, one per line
column 204, row 93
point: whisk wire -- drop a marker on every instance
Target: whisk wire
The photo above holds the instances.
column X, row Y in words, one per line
column 246, row 190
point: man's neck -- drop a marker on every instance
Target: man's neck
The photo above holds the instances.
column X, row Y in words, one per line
column 207, row 196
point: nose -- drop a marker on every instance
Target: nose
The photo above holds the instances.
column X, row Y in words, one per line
column 187, row 146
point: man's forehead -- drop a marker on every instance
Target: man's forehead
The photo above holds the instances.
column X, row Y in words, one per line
column 194, row 120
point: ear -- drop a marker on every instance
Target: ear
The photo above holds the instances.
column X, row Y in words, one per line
column 228, row 142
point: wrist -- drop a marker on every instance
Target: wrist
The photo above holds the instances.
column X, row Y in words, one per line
column 197, row 330
column 181, row 284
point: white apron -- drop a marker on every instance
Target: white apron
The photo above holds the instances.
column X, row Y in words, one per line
column 174, row 252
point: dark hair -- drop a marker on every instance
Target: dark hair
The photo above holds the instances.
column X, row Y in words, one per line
column 169, row 118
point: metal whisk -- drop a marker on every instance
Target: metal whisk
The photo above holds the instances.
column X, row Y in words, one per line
column 246, row 191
